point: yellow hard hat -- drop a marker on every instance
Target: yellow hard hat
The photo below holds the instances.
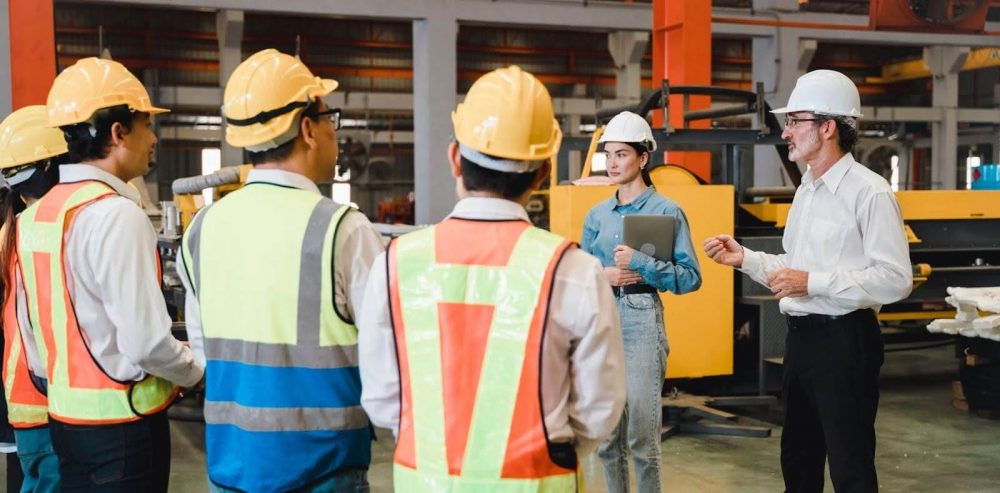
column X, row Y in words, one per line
column 26, row 138
column 92, row 84
column 508, row 114
column 264, row 96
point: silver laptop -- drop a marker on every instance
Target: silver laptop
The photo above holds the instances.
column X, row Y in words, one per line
column 652, row 234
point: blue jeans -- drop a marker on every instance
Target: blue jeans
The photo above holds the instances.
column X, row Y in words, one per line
column 346, row 481
column 38, row 460
column 646, row 352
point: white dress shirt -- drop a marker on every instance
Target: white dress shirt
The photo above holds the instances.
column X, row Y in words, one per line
column 583, row 384
column 355, row 246
column 112, row 275
column 845, row 229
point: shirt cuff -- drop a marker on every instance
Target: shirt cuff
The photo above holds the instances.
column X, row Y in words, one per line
column 640, row 261
column 819, row 283
column 751, row 261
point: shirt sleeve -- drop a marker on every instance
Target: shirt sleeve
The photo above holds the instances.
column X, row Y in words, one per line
column 357, row 244
column 683, row 274
column 889, row 276
column 380, row 392
column 192, row 312
column 590, row 227
column 597, row 359
column 27, row 332
column 121, row 249
column 759, row 265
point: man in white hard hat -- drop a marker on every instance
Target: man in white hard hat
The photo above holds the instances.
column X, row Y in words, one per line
column 490, row 346
column 846, row 256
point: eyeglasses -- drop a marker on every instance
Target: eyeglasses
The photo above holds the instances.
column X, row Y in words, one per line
column 332, row 113
column 791, row 122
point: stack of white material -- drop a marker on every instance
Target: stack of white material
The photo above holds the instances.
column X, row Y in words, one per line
column 969, row 302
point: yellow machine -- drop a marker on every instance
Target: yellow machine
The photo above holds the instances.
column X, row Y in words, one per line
column 699, row 324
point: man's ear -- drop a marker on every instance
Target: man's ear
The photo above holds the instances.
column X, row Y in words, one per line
column 307, row 129
column 454, row 160
column 829, row 132
column 118, row 132
column 541, row 174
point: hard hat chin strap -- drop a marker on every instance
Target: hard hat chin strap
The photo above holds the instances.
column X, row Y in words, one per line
column 265, row 116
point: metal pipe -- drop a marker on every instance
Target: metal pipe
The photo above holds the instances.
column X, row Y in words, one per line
column 782, row 192
column 720, row 112
column 195, row 184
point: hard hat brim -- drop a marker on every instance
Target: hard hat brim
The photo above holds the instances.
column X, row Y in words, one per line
column 328, row 85
column 786, row 109
column 153, row 110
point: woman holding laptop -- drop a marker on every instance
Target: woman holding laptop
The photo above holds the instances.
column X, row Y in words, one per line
column 636, row 278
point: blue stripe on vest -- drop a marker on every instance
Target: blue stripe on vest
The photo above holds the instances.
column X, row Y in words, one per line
column 271, row 461
column 272, row 386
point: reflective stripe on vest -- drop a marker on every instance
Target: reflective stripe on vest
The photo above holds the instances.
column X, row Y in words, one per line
column 26, row 406
column 279, row 357
column 469, row 302
column 79, row 391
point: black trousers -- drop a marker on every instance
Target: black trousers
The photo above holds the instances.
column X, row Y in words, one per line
column 126, row 457
column 831, row 398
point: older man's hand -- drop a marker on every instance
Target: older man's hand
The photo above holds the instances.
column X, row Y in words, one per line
column 723, row 249
column 788, row 283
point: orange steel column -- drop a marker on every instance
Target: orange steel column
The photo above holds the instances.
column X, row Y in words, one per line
column 32, row 51
column 682, row 54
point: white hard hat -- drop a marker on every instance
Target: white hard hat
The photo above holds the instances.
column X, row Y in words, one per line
column 825, row 92
column 629, row 127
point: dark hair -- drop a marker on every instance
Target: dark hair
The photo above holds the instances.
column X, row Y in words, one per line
column 641, row 149
column 276, row 154
column 847, row 132
column 508, row 185
column 86, row 146
column 10, row 206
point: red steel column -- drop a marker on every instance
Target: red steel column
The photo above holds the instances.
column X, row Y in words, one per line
column 32, row 51
column 682, row 54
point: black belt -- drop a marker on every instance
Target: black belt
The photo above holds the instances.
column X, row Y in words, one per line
column 633, row 289
column 817, row 321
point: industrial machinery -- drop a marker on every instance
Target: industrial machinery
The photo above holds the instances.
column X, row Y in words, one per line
column 732, row 326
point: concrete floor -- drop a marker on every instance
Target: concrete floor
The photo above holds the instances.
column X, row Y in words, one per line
column 924, row 444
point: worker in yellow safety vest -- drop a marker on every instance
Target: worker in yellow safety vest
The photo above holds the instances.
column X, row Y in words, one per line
column 89, row 275
column 274, row 273
column 30, row 155
column 476, row 332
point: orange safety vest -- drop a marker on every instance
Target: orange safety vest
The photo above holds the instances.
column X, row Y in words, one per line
column 469, row 301
column 27, row 407
column 79, row 391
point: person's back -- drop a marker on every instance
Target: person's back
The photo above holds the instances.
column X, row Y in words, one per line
column 499, row 356
column 278, row 356
column 274, row 272
column 486, row 285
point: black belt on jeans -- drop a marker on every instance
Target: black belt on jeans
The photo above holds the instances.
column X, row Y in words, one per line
column 817, row 321
column 633, row 289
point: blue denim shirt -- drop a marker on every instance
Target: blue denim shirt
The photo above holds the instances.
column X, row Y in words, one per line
column 602, row 231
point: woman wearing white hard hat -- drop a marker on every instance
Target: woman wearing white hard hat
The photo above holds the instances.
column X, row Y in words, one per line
column 637, row 278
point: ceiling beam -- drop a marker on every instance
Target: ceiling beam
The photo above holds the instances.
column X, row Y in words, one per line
column 593, row 15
